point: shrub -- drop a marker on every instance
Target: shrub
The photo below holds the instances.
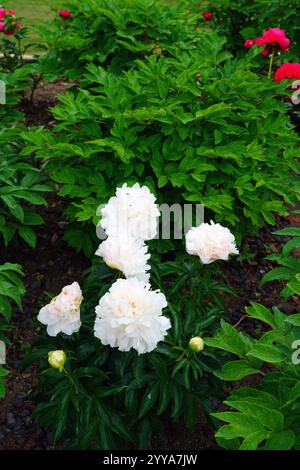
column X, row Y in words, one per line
column 12, row 34
column 113, row 34
column 266, row 416
column 22, row 185
column 109, row 398
column 243, row 20
column 21, row 188
column 222, row 139
column 289, row 265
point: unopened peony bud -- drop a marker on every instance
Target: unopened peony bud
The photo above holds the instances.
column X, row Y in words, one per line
column 57, row 359
column 207, row 15
column 196, row 344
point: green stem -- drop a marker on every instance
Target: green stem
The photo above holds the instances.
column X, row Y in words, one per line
column 271, row 64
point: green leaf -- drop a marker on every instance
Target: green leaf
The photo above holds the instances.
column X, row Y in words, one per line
column 267, row 353
column 245, row 424
column 282, row 440
column 252, row 441
column 28, row 235
column 149, row 399
column 269, row 418
column 236, row 370
column 293, row 319
column 277, row 274
column 261, row 313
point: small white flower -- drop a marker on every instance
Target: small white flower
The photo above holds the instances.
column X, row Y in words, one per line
column 126, row 255
column 210, row 242
column 129, row 316
column 132, row 211
column 62, row 314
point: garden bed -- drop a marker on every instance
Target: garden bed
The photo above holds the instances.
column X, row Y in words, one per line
column 155, row 341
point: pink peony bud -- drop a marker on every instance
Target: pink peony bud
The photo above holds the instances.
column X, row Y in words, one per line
column 64, row 13
column 249, row 43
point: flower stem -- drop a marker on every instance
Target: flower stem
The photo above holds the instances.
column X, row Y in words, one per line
column 271, row 64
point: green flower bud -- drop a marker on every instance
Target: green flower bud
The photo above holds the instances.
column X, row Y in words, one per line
column 57, row 359
column 196, row 344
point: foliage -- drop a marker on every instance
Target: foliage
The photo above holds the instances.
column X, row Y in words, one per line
column 110, row 399
column 11, row 290
column 264, row 417
column 22, row 185
column 243, row 20
column 223, row 140
column 113, row 33
column 289, row 265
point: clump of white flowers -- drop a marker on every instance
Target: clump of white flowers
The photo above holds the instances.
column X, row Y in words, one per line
column 62, row 314
column 129, row 219
column 132, row 211
column 130, row 316
column 127, row 255
column 210, row 242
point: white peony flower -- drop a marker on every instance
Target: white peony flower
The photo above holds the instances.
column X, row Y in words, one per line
column 210, row 242
column 126, row 255
column 62, row 314
column 129, row 316
column 133, row 211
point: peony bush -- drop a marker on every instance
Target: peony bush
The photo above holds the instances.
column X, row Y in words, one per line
column 127, row 355
column 188, row 105
column 242, row 20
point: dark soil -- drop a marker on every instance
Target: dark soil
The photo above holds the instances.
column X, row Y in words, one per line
column 246, row 277
column 36, row 106
column 50, row 267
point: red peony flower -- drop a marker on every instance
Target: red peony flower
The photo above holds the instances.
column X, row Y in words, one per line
column 5, row 14
column 207, row 15
column 249, row 43
column 287, row 70
column 274, row 36
column 260, row 42
column 64, row 13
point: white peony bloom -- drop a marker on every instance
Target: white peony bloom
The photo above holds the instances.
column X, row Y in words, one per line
column 133, row 211
column 210, row 242
column 129, row 316
column 62, row 314
column 127, row 255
